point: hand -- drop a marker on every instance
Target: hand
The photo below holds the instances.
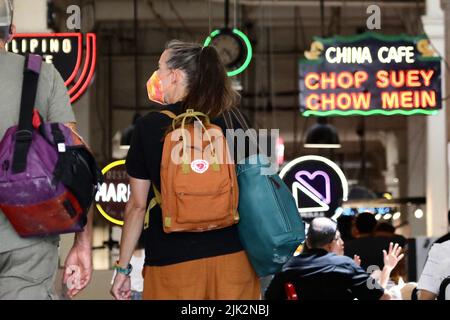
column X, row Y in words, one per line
column 393, row 256
column 121, row 288
column 77, row 269
column 357, row 260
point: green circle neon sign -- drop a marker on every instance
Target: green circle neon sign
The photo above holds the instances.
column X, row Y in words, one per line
column 248, row 46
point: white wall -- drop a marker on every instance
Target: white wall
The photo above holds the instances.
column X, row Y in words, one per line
column 30, row 15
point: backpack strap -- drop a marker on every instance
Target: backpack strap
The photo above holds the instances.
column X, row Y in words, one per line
column 236, row 114
column 190, row 113
column 168, row 113
column 24, row 133
column 156, row 200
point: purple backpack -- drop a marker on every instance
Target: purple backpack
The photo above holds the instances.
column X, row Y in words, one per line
column 48, row 178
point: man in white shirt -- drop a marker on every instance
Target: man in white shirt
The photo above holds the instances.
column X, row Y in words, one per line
column 436, row 269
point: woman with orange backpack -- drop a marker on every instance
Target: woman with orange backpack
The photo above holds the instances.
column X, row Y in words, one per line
column 182, row 190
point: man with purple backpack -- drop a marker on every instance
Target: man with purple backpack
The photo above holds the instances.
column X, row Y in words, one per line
column 28, row 265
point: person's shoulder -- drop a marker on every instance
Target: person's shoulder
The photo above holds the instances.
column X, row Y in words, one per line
column 444, row 238
column 48, row 68
column 340, row 260
column 153, row 124
column 13, row 57
column 293, row 262
column 441, row 249
column 232, row 117
column 154, row 117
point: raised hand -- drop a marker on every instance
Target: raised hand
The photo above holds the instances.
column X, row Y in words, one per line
column 392, row 257
column 357, row 260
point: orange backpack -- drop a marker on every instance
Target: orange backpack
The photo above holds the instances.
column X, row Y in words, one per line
column 199, row 188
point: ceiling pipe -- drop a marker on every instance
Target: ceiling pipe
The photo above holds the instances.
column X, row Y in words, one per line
column 287, row 3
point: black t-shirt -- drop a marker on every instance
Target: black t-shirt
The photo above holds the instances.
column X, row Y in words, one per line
column 319, row 275
column 143, row 162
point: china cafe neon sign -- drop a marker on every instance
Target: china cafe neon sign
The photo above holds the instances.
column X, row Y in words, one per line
column 65, row 52
column 370, row 74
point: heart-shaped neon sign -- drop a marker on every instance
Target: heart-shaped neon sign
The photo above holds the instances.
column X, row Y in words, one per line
column 304, row 176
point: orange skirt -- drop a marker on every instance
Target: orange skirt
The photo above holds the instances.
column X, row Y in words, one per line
column 226, row 277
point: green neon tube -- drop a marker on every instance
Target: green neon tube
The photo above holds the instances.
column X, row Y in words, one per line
column 368, row 113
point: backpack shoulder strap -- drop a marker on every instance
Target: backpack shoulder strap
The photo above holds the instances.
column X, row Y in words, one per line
column 23, row 136
column 168, row 113
column 156, row 200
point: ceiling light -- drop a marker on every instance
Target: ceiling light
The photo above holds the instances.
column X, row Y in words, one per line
column 387, row 216
column 396, row 215
column 322, row 135
column 418, row 213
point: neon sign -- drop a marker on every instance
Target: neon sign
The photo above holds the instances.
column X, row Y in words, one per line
column 370, row 74
column 65, row 51
column 318, row 185
column 245, row 43
column 323, row 199
column 114, row 193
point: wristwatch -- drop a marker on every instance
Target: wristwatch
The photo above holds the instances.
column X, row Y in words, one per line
column 126, row 271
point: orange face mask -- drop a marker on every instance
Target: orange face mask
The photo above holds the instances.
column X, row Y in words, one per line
column 155, row 90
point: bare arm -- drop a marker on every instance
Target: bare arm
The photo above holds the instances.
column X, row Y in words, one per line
column 78, row 264
column 72, row 126
column 386, row 295
column 134, row 219
column 132, row 228
column 83, row 238
column 425, row 295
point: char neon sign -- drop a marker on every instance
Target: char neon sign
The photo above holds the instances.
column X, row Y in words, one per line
column 318, row 186
column 370, row 74
column 65, row 51
column 114, row 193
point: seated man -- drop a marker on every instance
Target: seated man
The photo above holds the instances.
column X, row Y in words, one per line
column 436, row 269
column 321, row 272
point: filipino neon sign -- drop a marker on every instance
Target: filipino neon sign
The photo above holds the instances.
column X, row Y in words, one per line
column 370, row 74
column 65, row 51
column 318, row 186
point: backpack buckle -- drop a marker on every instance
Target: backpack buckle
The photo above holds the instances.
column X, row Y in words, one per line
column 23, row 135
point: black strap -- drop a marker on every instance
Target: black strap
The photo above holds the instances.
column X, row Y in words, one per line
column 236, row 114
column 443, row 288
column 413, row 294
column 228, row 120
column 24, row 132
column 58, row 136
column 240, row 118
